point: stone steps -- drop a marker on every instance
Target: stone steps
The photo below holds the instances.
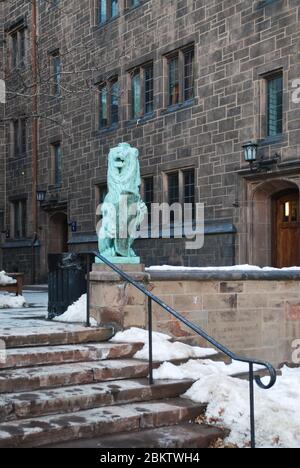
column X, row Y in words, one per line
column 97, row 422
column 65, row 383
column 176, row 437
column 84, row 352
column 16, row 406
column 56, row 334
column 37, row 356
column 27, row 379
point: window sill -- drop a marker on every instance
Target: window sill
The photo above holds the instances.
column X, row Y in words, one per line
column 107, row 22
column 106, row 130
column 53, row 188
column 177, row 107
column 142, row 120
column 19, row 243
column 272, row 140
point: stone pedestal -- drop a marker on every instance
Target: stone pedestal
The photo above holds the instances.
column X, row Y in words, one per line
column 114, row 302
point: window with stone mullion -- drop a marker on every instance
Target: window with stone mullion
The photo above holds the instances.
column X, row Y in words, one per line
column 142, row 91
column 108, row 9
column 109, row 103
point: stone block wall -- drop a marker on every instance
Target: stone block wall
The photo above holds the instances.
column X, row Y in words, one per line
column 255, row 316
column 236, row 43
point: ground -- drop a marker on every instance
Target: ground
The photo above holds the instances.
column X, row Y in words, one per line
column 35, row 314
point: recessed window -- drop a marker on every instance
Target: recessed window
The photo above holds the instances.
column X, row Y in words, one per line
column 275, row 105
column 142, row 91
column 148, row 195
column 19, row 137
column 57, row 164
column 18, row 47
column 108, row 9
column 189, row 192
column 181, row 189
column 19, row 219
column 180, row 76
column 56, row 73
column 109, row 103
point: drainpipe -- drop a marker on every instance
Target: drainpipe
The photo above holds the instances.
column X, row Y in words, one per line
column 34, row 133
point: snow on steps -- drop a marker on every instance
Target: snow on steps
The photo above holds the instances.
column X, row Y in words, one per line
column 53, row 335
column 37, row 356
column 22, row 405
column 89, row 352
column 82, row 388
column 96, row 422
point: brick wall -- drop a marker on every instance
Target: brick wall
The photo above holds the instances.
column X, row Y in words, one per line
column 236, row 43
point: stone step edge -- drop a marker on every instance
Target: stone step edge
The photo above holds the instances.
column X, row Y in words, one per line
column 132, row 349
column 51, row 355
column 20, row 406
column 54, row 338
column 188, row 435
column 94, row 423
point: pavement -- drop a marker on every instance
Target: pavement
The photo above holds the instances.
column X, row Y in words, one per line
column 32, row 316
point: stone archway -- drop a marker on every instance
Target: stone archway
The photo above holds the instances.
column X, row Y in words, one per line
column 260, row 235
column 58, row 233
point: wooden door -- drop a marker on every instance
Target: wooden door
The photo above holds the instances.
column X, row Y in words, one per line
column 286, row 230
column 58, row 234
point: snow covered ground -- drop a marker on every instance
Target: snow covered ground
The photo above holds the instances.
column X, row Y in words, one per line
column 76, row 313
column 163, row 348
column 231, row 268
column 195, row 369
column 5, row 280
column 9, row 301
column 277, row 409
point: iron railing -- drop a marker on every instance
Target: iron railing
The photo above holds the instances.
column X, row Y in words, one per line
column 152, row 298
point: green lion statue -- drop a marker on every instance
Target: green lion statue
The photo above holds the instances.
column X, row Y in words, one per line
column 123, row 209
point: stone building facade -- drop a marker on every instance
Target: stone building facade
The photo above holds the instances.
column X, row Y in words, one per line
column 188, row 82
column 2, row 128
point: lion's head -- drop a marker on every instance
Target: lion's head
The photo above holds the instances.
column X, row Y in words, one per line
column 124, row 169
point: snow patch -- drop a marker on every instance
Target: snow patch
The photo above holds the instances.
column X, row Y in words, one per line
column 5, row 279
column 277, row 411
column 166, row 351
column 8, row 301
column 76, row 313
column 195, row 370
column 138, row 335
column 163, row 348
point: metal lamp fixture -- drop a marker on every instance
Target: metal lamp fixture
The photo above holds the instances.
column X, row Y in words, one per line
column 41, row 195
column 250, row 155
column 250, row 151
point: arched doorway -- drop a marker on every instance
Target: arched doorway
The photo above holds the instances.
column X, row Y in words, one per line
column 272, row 239
column 58, row 234
column 286, row 229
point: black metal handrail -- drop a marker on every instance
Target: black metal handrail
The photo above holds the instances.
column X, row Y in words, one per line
column 192, row 326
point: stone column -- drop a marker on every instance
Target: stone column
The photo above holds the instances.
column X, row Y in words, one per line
column 116, row 303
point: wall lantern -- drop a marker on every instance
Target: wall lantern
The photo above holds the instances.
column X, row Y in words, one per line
column 250, row 151
column 41, row 195
column 258, row 165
